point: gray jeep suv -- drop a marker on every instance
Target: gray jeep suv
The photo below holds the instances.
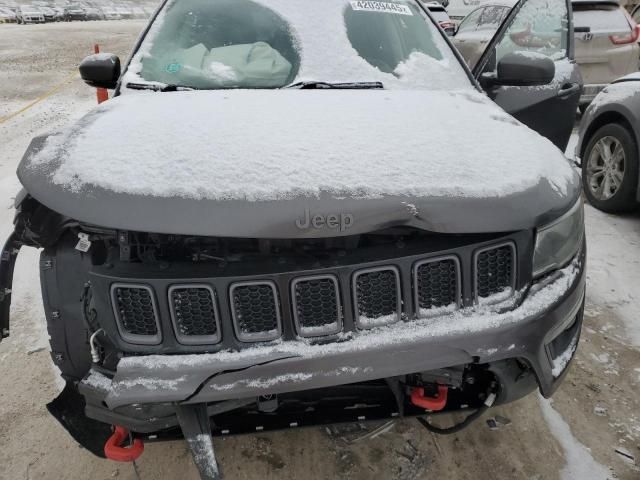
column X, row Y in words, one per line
column 295, row 213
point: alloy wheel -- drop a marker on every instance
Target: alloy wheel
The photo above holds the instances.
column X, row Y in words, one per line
column 605, row 168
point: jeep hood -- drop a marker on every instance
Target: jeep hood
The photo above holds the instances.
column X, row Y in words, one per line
column 267, row 163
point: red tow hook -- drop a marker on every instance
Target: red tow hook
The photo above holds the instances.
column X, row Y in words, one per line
column 114, row 450
column 430, row 403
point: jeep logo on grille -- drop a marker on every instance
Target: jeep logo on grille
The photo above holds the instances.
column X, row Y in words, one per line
column 341, row 222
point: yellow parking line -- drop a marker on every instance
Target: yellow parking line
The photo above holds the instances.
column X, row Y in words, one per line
column 44, row 96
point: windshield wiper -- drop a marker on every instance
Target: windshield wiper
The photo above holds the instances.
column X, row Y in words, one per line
column 328, row 85
column 158, row 88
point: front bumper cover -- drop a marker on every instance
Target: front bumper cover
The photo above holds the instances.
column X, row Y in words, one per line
column 551, row 310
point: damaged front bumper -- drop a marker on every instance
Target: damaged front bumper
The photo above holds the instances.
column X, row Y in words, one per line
column 532, row 344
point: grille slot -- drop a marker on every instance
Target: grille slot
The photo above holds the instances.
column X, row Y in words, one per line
column 316, row 305
column 194, row 314
column 255, row 310
column 437, row 284
column 377, row 296
column 495, row 271
column 136, row 313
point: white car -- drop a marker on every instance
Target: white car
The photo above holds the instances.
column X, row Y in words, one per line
column 29, row 14
column 606, row 44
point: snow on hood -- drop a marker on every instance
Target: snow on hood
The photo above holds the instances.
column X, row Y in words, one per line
column 272, row 145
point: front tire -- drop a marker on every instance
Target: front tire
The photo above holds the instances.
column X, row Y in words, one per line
column 610, row 169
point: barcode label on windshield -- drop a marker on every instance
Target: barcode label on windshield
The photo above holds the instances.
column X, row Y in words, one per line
column 386, row 7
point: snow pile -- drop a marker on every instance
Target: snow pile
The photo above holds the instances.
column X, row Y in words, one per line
column 283, row 144
column 580, row 463
column 460, row 322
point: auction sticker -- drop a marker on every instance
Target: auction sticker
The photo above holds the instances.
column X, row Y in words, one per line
column 386, row 7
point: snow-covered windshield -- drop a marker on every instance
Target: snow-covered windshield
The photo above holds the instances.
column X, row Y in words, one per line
column 213, row 44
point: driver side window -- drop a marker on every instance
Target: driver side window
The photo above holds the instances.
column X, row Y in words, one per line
column 539, row 27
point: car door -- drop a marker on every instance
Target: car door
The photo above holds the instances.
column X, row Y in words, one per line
column 537, row 27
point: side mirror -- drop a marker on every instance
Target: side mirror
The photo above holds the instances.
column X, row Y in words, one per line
column 100, row 70
column 522, row 69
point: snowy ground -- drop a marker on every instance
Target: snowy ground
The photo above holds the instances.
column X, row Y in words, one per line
column 595, row 412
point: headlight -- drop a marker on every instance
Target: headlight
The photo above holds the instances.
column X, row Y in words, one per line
column 558, row 242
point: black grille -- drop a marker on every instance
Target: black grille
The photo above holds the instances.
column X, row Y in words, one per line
column 136, row 312
column 255, row 311
column 316, row 306
column 377, row 294
column 194, row 313
column 494, row 270
column 437, row 284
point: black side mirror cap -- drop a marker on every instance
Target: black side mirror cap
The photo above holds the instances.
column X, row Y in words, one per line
column 522, row 69
column 101, row 70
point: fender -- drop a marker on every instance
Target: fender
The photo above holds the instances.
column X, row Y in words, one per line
column 8, row 257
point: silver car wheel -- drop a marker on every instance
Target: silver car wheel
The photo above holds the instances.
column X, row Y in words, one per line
column 605, row 168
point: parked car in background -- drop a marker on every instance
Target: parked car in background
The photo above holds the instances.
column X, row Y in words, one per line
column 459, row 9
column 608, row 147
column 635, row 14
column 75, row 12
column 110, row 13
column 479, row 27
column 439, row 12
column 124, row 11
column 7, row 15
column 29, row 14
column 49, row 14
column 93, row 13
column 138, row 12
column 606, row 44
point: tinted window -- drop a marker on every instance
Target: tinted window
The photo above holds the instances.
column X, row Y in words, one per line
column 470, row 22
column 491, row 18
column 540, row 26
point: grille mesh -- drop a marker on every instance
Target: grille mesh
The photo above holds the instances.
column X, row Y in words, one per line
column 437, row 284
column 136, row 311
column 494, row 271
column 194, row 312
column 377, row 297
column 255, row 311
column 317, row 305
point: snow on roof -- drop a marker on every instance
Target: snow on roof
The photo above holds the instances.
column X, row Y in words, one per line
column 261, row 145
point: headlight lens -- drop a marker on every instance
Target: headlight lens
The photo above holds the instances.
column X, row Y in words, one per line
column 558, row 242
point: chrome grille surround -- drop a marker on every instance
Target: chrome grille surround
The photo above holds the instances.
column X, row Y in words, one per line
column 240, row 317
column 496, row 286
column 330, row 328
column 361, row 299
column 178, row 321
column 153, row 335
column 418, row 281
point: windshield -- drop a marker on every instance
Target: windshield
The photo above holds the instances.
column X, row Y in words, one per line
column 212, row 44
